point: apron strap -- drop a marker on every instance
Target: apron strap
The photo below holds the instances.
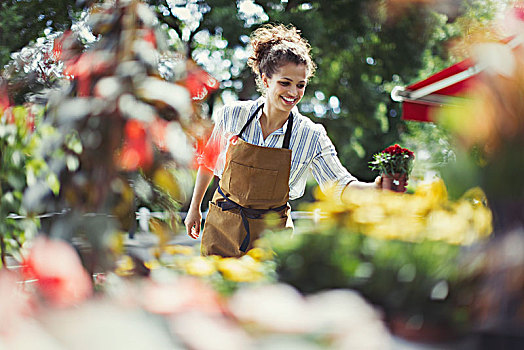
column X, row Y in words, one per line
column 287, row 136
column 250, row 119
column 245, row 213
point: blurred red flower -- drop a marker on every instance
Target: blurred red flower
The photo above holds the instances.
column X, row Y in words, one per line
column 207, row 152
column 199, row 82
column 58, row 272
column 5, row 102
column 137, row 151
column 186, row 294
column 157, row 130
column 150, row 36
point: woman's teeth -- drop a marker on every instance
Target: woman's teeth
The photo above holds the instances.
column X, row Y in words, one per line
column 288, row 100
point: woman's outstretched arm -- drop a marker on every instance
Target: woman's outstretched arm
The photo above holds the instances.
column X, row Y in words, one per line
column 194, row 215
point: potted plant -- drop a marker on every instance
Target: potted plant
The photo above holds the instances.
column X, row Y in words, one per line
column 394, row 164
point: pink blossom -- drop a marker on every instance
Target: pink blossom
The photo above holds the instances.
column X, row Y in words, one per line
column 58, row 272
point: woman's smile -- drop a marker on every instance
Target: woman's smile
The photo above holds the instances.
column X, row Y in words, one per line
column 289, row 100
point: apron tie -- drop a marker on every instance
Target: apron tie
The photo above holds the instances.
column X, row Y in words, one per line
column 245, row 213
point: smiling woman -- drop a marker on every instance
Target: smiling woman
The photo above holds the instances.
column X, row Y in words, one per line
column 267, row 148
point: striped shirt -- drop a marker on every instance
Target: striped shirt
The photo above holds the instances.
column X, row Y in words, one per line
column 311, row 149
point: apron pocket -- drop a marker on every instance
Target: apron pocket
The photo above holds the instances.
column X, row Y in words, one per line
column 223, row 233
column 252, row 183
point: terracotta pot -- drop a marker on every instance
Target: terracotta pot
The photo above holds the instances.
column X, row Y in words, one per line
column 395, row 182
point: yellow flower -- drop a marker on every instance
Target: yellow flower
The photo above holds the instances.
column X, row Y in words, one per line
column 482, row 221
column 435, row 191
column 368, row 215
column 179, row 249
column 200, row 266
column 428, row 214
column 261, row 254
column 394, row 203
column 152, row 264
column 447, row 226
column 125, row 266
column 245, row 269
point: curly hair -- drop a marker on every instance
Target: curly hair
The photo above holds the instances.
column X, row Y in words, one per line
column 275, row 46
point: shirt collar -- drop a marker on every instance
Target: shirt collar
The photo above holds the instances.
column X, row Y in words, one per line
column 283, row 129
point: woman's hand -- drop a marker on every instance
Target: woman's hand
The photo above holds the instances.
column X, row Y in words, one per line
column 378, row 182
column 193, row 222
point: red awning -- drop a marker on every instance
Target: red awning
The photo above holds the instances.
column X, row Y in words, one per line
column 422, row 99
column 422, row 108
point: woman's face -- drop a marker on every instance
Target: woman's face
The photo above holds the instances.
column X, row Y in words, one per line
column 286, row 87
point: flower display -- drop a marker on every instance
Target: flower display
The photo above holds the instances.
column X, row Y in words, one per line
column 258, row 313
column 428, row 214
column 225, row 274
column 402, row 252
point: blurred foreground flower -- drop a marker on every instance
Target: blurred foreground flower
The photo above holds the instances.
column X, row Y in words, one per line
column 245, row 269
column 15, row 303
column 199, row 82
column 428, row 214
column 58, row 272
column 137, row 151
column 489, row 123
column 225, row 275
column 341, row 319
column 182, row 295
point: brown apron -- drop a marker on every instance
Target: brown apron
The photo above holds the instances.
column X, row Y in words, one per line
column 255, row 182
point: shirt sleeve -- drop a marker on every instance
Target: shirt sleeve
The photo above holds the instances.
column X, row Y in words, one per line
column 326, row 167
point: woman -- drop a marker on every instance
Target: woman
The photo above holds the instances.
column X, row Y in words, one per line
column 265, row 162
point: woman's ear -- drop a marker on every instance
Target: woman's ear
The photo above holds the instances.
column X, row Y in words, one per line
column 264, row 80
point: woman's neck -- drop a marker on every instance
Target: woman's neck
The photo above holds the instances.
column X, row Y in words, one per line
column 272, row 120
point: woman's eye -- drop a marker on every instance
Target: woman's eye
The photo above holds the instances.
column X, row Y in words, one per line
column 284, row 83
column 301, row 86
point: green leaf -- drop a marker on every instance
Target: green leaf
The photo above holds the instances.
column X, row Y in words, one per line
column 72, row 162
column 53, row 183
column 16, row 181
column 73, row 142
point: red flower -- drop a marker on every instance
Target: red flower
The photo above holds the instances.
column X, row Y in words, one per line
column 8, row 115
column 57, row 49
column 207, row 152
column 149, row 36
column 199, row 82
column 397, row 150
column 30, row 119
column 137, row 151
column 157, row 130
column 5, row 101
column 59, row 274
